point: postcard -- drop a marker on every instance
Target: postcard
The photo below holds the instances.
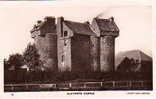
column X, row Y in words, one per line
column 77, row 48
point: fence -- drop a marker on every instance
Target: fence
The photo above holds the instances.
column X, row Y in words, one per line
column 109, row 85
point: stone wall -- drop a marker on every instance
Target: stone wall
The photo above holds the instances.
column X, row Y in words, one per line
column 95, row 53
column 60, row 51
column 51, row 40
column 64, row 55
column 47, row 48
column 64, row 46
column 107, row 53
column 44, row 34
column 80, row 53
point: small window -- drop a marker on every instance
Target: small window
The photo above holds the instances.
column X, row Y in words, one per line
column 65, row 33
column 65, row 42
column 62, row 58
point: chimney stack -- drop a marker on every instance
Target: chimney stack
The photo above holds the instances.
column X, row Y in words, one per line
column 87, row 22
column 50, row 19
column 111, row 18
column 60, row 25
column 39, row 22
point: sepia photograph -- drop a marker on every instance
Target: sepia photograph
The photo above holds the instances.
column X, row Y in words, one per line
column 78, row 47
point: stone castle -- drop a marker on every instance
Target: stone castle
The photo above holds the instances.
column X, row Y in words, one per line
column 76, row 47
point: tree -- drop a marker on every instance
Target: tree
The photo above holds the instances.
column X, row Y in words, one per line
column 15, row 60
column 31, row 57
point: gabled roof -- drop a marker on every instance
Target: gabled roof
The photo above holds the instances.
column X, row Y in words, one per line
column 79, row 28
column 107, row 25
column 135, row 54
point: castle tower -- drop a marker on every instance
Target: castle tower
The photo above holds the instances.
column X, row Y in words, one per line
column 106, row 31
column 45, row 37
column 73, row 45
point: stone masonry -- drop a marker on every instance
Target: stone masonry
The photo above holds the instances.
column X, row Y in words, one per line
column 45, row 36
column 74, row 46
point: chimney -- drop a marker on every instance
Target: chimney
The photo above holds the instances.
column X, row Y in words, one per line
column 35, row 26
column 60, row 25
column 111, row 18
column 39, row 21
column 50, row 19
column 87, row 22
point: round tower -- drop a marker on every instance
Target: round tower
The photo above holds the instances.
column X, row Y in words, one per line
column 45, row 37
column 51, row 52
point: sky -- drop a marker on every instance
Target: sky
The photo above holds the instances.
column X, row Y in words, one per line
column 134, row 22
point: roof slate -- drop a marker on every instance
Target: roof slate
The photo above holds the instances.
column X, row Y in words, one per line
column 80, row 28
column 107, row 25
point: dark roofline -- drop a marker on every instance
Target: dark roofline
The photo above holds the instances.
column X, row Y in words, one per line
column 111, row 19
column 42, row 23
column 84, row 23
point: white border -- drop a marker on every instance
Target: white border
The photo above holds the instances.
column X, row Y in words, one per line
column 98, row 94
